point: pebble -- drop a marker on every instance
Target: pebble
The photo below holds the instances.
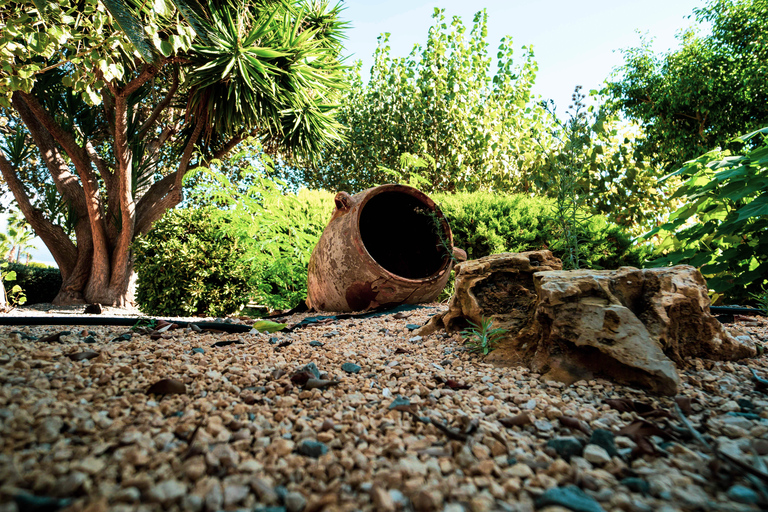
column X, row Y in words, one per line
column 566, row 447
column 127, row 495
column 295, row 501
column 85, row 429
column 381, row 499
column 312, row 449
column 49, row 429
column 350, row 368
column 741, row 494
column 234, row 494
column 570, row 497
column 520, row 470
column 604, row 439
column 427, row 501
column 167, row 492
column 596, row 454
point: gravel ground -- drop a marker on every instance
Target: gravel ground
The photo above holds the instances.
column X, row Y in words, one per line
column 411, row 424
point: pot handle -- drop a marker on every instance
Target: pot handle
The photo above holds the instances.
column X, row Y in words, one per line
column 343, row 201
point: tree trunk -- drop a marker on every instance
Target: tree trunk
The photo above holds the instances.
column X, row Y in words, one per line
column 84, row 283
column 79, row 289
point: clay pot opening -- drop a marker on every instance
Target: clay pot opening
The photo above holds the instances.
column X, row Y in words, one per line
column 399, row 231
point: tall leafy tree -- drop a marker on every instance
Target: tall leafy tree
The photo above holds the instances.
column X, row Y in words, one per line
column 476, row 129
column 119, row 99
column 704, row 94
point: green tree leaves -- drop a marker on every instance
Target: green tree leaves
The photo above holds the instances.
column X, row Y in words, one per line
column 711, row 89
column 442, row 101
column 723, row 226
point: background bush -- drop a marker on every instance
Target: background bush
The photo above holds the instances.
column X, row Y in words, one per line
column 190, row 263
column 210, row 261
column 485, row 224
column 40, row 284
column 284, row 247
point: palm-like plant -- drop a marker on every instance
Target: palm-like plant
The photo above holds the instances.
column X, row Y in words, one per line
column 122, row 104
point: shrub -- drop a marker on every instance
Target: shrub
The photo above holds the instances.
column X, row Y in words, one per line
column 211, row 261
column 284, row 247
column 723, row 225
column 39, row 284
column 190, row 263
column 485, row 224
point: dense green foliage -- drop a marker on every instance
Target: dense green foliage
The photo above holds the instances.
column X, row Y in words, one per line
column 442, row 119
column 281, row 275
column 265, row 234
column 190, row 265
column 484, row 224
column 39, row 284
column 710, row 90
column 257, row 244
column 282, row 228
column 723, row 225
column 106, row 105
column 481, row 128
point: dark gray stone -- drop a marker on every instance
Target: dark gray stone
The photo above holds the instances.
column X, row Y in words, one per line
column 566, row 447
column 635, row 484
column 350, row 367
column 311, row 368
column 605, row 440
column 741, row 494
column 570, row 497
column 312, row 449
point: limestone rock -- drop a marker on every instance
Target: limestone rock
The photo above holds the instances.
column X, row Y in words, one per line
column 499, row 287
column 628, row 324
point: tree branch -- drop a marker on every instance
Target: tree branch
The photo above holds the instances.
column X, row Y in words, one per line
column 65, row 182
column 154, row 202
column 100, row 164
column 82, row 163
column 61, row 247
column 149, row 71
column 64, row 138
column 160, row 106
column 123, row 175
column 187, row 155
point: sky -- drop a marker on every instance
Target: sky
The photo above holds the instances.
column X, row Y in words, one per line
column 574, row 43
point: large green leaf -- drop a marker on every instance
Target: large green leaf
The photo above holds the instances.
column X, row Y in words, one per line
column 132, row 28
column 757, row 208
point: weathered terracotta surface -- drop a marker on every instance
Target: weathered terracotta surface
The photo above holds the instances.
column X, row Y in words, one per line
column 631, row 325
column 380, row 248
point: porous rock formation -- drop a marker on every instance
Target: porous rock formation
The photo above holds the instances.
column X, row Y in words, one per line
column 631, row 325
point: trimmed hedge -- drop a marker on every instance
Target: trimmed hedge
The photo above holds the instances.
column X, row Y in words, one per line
column 210, row 262
column 38, row 284
column 484, row 224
